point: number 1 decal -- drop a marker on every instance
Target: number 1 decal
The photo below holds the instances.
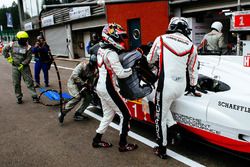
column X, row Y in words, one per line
column 135, row 109
column 242, row 21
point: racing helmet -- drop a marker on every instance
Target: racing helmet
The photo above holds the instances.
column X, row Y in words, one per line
column 114, row 35
column 179, row 24
column 22, row 38
column 217, row 26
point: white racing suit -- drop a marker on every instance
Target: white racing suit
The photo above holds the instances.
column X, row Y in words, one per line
column 112, row 102
column 175, row 53
column 213, row 41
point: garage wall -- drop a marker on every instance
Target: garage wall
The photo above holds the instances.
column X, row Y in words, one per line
column 56, row 39
column 153, row 17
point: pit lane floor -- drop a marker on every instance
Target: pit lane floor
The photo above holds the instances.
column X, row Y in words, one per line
column 31, row 136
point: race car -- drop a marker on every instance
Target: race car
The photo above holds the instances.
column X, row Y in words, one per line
column 222, row 115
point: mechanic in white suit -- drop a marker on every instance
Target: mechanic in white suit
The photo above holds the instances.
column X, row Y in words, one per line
column 109, row 69
column 175, row 53
column 214, row 40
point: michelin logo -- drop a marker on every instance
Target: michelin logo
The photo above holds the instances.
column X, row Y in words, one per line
column 233, row 106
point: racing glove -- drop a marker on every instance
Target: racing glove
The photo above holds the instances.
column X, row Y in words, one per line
column 20, row 67
column 192, row 90
column 10, row 59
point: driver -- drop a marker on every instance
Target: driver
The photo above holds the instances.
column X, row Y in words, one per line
column 110, row 69
column 175, row 52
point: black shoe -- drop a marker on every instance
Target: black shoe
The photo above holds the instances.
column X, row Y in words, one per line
column 35, row 100
column 19, row 101
column 101, row 144
column 160, row 152
column 46, row 85
column 79, row 117
column 128, row 147
column 61, row 117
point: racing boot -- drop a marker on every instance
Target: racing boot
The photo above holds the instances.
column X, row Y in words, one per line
column 160, row 151
column 79, row 117
column 98, row 143
column 124, row 146
column 19, row 101
column 128, row 147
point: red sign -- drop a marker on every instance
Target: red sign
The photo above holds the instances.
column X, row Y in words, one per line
column 246, row 61
column 242, row 20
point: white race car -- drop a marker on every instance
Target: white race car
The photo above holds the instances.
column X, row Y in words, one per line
column 222, row 115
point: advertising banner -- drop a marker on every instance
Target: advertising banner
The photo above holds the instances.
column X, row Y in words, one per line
column 48, row 21
column 79, row 12
column 9, row 20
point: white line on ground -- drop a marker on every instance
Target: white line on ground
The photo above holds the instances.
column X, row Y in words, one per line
column 149, row 143
column 144, row 140
column 66, row 68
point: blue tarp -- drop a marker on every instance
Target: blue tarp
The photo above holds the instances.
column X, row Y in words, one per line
column 54, row 95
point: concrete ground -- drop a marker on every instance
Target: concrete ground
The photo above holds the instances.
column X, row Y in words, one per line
column 30, row 135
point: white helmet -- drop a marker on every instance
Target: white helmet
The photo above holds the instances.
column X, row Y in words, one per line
column 217, row 26
column 179, row 24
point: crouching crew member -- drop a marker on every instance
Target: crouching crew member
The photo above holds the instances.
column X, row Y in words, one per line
column 81, row 85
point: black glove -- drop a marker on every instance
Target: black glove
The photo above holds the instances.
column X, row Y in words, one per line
column 192, row 90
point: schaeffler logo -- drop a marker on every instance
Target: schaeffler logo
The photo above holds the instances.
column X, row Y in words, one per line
column 233, row 106
column 246, row 61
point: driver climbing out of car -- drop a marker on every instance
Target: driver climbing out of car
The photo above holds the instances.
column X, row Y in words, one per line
column 110, row 69
column 175, row 53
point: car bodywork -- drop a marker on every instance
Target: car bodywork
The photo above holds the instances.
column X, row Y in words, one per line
column 222, row 115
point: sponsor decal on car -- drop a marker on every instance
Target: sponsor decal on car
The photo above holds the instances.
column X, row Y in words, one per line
column 194, row 122
column 233, row 106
